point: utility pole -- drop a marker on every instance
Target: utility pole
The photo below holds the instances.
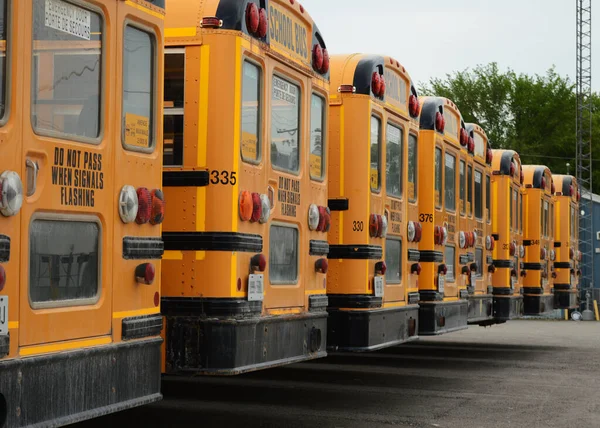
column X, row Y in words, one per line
column 584, row 142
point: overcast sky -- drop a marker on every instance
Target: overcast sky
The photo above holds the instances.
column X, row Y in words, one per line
column 435, row 37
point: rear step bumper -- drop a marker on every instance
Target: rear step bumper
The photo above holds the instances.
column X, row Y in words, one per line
column 229, row 346
column 72, row 386
column 508, row 307
column 566, row 299
column 439, row 317
column 368, row 330
column 480, row 308
column 538, row 304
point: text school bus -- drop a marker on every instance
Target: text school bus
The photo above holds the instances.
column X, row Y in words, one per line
column 538, row 240
column 480, row 261
column 442, row 284
column 246, row 90
column 507, row 220
column 566, row 242
column 373, row 132
column 80, row 143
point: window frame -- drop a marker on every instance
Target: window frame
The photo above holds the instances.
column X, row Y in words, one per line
column 416, row 167
column 439, row 201
column 154, row 113
column 175, row 111
column 402, row 132
column 8, row 60
column 297, row 229
column 261, row 93
column 400, row 264
column 67, row 218
column 445, row 189
column 289, row 78
column 101, row 96
column 376, row 115
column 462, row 190
column 324, row 141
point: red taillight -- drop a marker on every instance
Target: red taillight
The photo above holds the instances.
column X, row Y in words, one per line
column 382, row 88
column 489, row 156
column 380, row 268
column 578, row 196
column 256, row 208
column 571, row 190
column 325, row 67
column 317, row 57
column 416, row 268
column 418, row 231
column 373, row 225
column 252, row 18
column 471, row 145
column 322, row 219
column 321, row 266
column 2, row 278
column 376, row 83
column 464, row 137
column 437, row 235
column 211, row 22
column 439, row 122
column 543, row 253
column 144, row 273
column 144, row 206
column 263, row 23
column 246, row 205
column 512, row 248
column 413, row 106
column 158, row 207
column 443, row 269
column 156, row 299
column 258, row 263
column 543, row 183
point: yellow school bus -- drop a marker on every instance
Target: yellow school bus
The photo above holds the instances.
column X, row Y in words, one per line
column 442, row 285
column 372, row 296
column 81, row 207
column 246, row 102
column 565, row 254
column 538, row 239
column 480, row 261
column 507, row 223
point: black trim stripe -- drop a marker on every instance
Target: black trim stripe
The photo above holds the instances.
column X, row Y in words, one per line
column 142, row 248
column 527, row 242
column 318, row 248
column 210, row 307
column 533, row 290
column 361, row 252
column 430, row 296
column 212, row 241
column 562, row 265
column 338, row 204
column 503, row 263
column 185, row 178
column 354, row 301
column 496, row 236
column 4, row 248
column 432, row 256
column 502, row 291
column 563, row 287
column 143, row 326
column 533, row 266
column 557, row 244
column 414, row 255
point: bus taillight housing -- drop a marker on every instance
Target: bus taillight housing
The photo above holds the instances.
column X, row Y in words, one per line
column 158, row 207
column 413, row 106
column 258, row 263
column 440, row 122
column 11, row 193
column 145, row 273
column 128, row 204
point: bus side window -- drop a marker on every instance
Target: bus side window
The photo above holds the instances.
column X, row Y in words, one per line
column 394, row 137
column 461, row 186
column 317, row 137
column 138, row 90
column 251, row 112
column 174, row 107
column 450, row 182
column 375, row 168
column 438, row 177
column 412, row 168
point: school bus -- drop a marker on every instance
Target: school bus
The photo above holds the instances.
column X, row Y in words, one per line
column 373, row 298
column 442, row 286
column 565, row 254
column 246, row 102
column 507, row 221
column 538, row 239
column 480, row 261
column 81, row 207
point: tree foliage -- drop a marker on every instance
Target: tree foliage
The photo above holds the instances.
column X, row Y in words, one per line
column 534, row 115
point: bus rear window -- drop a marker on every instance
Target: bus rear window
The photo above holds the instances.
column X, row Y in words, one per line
column 251, row 109
column 3, row 50
column 470, row 190
column 461, row 186
column 317, row 133
column 285, row 125
column 438, row 177
column 412, row 168
column 138, row 90
column 67, row 71
column 283, row 255
column 375, row 171
column 173, row 116
column 450, row 182
column 393, row 161
column 478, row 195
column 393, row 260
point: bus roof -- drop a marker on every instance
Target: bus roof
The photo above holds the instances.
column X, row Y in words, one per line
column 502, row 160
column 534, row 174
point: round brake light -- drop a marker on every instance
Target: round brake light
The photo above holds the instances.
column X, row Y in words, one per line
column 2, row 278
column 512, row 168
column 413, row 106
column 256, row 208
column 245, row 205
column 325, row 66
column 128, row 204
column 317, row 57
column 158, row 207
column 439, row 122
column 252, row 18
column 11, row 193
column 321, row 266
column 489, row 243
column 376, row 83
column 258, row 262
column 382, row 88
column 313, row 217
column 322, row 219
column 411, row 231
column 263, row 23
column 373, row 225
column 144, row 206
column 144, row 273
column 512, row 249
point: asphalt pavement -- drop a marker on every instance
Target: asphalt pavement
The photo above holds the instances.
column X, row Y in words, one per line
column 519, row 374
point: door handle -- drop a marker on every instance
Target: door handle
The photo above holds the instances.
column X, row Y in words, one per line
column 32, row 174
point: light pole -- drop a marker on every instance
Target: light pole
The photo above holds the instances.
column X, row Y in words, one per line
column 568, row 166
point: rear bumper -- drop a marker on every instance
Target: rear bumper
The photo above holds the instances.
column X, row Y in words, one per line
column 480, row 308
column 507, row 307
column 229, row 346
column 67, row 387
column 438, row 317
column 566, row 298
column 368, row 330
column 538, row 304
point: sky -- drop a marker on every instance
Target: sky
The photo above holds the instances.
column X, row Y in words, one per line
column 433, row 38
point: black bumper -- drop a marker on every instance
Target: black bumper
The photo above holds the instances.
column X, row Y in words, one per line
column 480, row 308
column 442, row 317
column 507, row 307
column 566, row 299
column 368, row 330
column 229, row 346
column 538, row 304
column 71, row 386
